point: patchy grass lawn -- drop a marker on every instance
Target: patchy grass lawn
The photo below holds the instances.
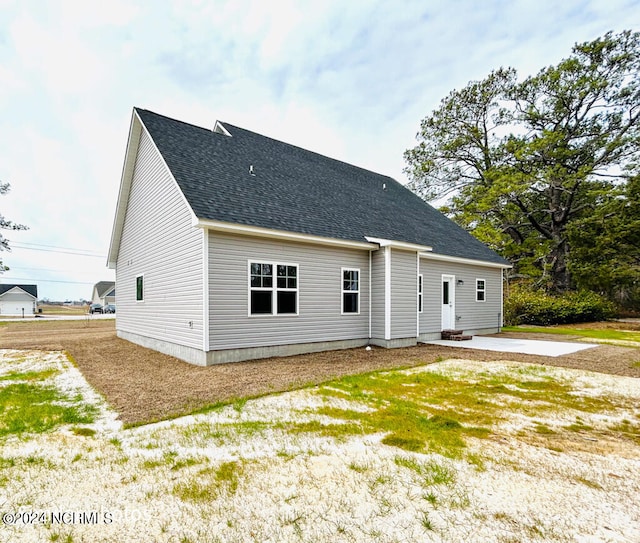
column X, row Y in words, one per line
column 452, row 451
column 121, row 371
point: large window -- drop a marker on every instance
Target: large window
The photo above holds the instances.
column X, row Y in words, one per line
column 140, row 288
column 350, row 290
column 481, row 290
column 273, row 289
column 420, row 279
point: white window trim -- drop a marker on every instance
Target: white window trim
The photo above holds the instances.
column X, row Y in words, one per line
column 135, row 291
column 274, row 289
column 420, row 293
column 343, row 292
column 484, row 290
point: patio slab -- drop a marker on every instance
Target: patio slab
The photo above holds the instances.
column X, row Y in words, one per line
column 511, row 345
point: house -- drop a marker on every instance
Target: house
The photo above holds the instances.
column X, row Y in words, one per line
column 104, row 292
column 230, row 246
column 18, row 300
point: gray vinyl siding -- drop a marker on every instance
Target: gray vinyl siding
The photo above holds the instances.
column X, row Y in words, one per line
column 473, row 315
column 159, row 242
column 404, row 299
column 319, row 293
column 377, row 294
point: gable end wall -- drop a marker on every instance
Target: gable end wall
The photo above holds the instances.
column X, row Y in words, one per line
column 160, row 243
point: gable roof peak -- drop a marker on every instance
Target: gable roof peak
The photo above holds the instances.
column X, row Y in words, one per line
column 300, row 191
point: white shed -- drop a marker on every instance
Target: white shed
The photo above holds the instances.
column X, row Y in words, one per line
column 18, row 300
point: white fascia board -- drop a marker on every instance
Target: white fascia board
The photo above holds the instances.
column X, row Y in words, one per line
column 133, row 140
column 233, row 228
column 135, row 132
column 398, row 244
column 459, row 260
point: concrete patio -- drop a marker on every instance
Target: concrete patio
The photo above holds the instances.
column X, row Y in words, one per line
column 510, row 345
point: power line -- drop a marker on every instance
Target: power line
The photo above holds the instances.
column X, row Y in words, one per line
column 19, row 246
column 11, row 268
column 55, row 247
column 4, row 280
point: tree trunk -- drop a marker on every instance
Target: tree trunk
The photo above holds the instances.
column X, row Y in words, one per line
column 560, row 276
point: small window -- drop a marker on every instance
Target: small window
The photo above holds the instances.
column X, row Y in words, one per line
column 481, row 288
column 420, row 293
column 269, row 297
column 139, row 288
column 350, row 291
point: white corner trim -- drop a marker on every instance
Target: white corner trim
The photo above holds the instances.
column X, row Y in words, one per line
column 398, row 244
column 258, row 231
column 205, row 291
column 387, row 292
column 459, row 260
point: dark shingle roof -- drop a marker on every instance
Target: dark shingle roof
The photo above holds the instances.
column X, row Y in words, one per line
column 103, row 287
column 30, row 289
column 298, row 190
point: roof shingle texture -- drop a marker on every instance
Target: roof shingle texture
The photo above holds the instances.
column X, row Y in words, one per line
column 300, row 191
column 103, row 287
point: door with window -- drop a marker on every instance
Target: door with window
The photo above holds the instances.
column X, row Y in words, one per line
column 448, row 302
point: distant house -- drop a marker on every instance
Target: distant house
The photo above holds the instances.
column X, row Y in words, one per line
column 20, row 300
column 229, row 246
column 104, row 292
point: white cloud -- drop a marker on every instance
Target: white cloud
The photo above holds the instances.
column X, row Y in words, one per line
column 348, row 79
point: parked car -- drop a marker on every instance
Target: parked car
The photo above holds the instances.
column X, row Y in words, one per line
column 109, row 308
column 96, row 308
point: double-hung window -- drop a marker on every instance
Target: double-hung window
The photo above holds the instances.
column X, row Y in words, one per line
column 273, row 288
column 481, row 290
column 350, row 290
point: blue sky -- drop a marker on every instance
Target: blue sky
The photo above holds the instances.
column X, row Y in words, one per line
column 348, row 79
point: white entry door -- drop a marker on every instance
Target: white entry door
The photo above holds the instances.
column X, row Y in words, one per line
column 448, row 302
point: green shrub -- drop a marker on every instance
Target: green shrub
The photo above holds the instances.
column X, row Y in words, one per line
column 525, row 306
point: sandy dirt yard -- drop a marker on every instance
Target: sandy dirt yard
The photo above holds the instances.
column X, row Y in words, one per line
column 143, row 385
column 524, row 453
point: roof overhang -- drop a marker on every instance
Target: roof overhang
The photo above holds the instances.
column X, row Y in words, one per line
column 246, row 230
column 403, row 245
column 459, row 260
column 135, row 131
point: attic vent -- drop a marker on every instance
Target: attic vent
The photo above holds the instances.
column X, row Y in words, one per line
column 220, row 129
